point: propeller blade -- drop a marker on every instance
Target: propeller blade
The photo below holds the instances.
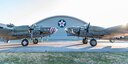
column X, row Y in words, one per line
column 88, row 27
column 79, row 32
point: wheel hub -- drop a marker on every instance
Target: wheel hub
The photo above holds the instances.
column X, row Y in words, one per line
column 24, row 42
column 93, row 43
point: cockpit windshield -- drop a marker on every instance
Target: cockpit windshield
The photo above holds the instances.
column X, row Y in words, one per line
column 10, row 25
column 84, row 26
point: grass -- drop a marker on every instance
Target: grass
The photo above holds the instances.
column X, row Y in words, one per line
column 64, row 58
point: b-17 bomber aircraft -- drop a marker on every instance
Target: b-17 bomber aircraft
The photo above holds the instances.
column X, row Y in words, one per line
column 25, row 32
column 96, row 32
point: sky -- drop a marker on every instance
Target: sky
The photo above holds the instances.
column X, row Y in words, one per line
column 104, row 13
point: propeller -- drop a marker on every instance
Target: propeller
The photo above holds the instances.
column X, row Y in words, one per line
column 87, row 30
column 79, row 31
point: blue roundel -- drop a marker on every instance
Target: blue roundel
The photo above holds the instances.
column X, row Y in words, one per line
column 61, row 23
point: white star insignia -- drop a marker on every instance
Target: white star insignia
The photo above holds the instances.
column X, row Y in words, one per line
column 62, row 23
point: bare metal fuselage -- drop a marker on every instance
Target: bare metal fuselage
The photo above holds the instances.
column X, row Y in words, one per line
column 99, row 32
column 93, row 32
column 19, row 32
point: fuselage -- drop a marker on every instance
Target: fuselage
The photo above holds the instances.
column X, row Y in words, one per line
column 98, row 32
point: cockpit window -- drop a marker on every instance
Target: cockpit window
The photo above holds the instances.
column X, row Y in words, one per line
column 10, row 25
column 33, row 26
column 84, row 26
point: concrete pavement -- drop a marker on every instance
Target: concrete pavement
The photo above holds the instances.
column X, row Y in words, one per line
column 66, row 46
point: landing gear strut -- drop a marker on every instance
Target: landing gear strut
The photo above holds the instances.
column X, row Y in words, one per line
column 93, row 42
column 6, row 41
column 24, row 42
column 35, row 41
column 85, row 41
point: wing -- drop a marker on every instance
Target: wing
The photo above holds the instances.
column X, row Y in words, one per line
column 116, row 31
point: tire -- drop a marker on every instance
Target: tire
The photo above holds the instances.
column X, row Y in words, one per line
column 24, row 42
column 93, row 42
column 35, row 41
column 85, row 41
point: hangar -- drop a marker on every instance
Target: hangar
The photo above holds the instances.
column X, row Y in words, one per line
column 60, row 22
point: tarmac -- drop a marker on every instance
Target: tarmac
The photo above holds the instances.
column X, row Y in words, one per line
column 65, row 46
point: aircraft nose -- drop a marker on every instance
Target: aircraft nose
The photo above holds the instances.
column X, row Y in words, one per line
column 68, row 30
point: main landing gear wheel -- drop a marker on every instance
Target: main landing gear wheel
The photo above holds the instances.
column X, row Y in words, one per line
column 85, row 41
column 24, row 42
column 93, row 42
column 35, row 41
